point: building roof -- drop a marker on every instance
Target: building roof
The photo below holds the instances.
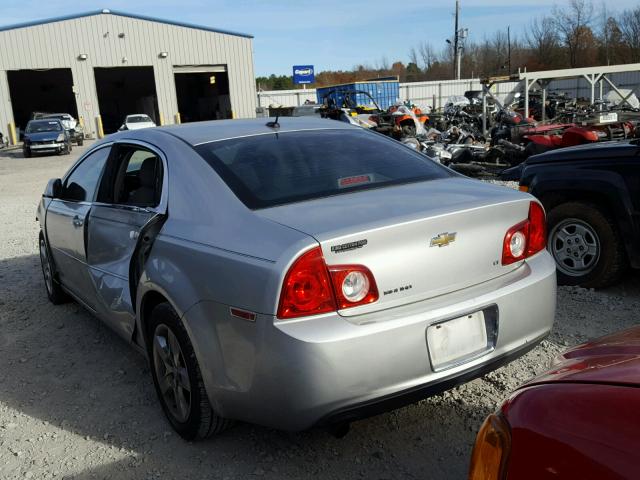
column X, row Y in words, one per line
column 121, row 14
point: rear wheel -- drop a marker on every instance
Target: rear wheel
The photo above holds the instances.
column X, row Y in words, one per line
column 586, row 245
column 26, row 152
column 55, row 293
column 177, row 378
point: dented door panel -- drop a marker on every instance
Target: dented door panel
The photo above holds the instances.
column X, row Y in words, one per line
column 113, row 234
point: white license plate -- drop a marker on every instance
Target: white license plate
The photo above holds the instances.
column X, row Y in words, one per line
column 456, row 341
column 609, row 117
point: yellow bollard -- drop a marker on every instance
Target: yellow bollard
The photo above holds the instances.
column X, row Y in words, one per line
column 178, row 120
column 12, row 134
column 81, row 122
column 161, row 119
column 99, row 126
column 233, row 115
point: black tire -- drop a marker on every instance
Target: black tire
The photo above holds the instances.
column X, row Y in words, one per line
column 69, row 149
column 200, row 421
column 80, row 142
column 26, row 152
column 55, row 293
column 586, row 227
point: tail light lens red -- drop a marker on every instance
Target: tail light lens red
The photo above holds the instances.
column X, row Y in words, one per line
column 307, row 287
column 526, row 238
column 310, row 288
column 537, row 229
column 353, row 285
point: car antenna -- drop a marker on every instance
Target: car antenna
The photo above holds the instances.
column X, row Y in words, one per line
column 275, row 123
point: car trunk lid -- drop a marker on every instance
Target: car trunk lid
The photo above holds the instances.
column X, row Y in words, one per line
column 419, row 240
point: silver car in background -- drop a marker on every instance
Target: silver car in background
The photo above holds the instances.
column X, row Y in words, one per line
column 296, row 275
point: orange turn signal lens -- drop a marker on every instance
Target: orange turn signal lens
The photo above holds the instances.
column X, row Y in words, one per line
column 523, row 188
column 491, row 451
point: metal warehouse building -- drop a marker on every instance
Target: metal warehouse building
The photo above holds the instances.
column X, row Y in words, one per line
column 101, row 66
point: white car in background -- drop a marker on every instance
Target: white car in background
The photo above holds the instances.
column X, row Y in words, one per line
column 137, row 121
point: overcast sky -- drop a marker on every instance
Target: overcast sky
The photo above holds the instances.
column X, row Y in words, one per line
column 330, row 34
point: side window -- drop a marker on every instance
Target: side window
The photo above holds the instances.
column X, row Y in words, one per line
column 137, row 178
column 81, row 185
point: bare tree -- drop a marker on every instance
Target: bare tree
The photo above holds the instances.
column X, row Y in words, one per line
column 573, row 23
column 629, row 25
column 605, row 33
column 542, row 39
column 413, row 55
column 383, row 64
column 427, row 54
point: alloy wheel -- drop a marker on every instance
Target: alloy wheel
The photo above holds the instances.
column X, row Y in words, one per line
column 171, row 373
column 46, row 267
column 575, row 246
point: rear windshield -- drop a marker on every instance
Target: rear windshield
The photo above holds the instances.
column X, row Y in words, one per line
column 138, row 119
column 280, row 168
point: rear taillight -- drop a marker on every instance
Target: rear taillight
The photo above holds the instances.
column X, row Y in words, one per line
column 310, row 288
column 353, row 285
column 526, row 238
column 307, row 287
column 537, row 229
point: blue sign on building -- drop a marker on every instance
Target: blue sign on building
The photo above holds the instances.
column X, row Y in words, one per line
column 303, row 74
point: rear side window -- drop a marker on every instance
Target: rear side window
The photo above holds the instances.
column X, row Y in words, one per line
column 133, row 177
column 275, row 169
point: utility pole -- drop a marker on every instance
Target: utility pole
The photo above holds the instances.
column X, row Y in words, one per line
column 456, row 51
column 509, row 48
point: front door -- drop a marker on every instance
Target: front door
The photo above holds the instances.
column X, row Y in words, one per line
column 66, row 224
column 129, row 201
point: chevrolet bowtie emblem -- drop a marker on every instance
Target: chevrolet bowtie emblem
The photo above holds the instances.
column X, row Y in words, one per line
column 443, row 239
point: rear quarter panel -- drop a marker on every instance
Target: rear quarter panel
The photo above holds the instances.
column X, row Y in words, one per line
column 572, row 430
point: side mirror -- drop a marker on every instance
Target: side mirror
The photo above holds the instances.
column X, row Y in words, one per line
column 54, row 188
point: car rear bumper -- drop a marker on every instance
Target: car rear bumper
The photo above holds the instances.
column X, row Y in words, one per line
column 300, row 373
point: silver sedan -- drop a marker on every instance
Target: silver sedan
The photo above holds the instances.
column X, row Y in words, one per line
column 295, row 275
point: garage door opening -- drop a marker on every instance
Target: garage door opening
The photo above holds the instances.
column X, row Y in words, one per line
column 203, row 95
column 124, row 91
column 46, row 91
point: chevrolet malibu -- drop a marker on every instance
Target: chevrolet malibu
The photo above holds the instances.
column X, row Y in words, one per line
column 300, row 274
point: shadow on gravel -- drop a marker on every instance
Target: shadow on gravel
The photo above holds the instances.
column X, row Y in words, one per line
column 61, row 366
column 16, row 153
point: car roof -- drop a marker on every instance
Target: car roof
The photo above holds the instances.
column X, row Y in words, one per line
column 204, row 132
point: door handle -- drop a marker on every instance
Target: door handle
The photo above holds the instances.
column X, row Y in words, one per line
column 77, row 221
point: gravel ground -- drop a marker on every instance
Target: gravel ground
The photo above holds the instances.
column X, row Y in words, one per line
column 77, row 402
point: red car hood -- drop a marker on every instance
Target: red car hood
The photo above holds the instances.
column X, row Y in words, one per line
column 614, row 359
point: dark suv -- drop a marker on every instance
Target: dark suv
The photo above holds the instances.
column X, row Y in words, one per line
column 592, row 197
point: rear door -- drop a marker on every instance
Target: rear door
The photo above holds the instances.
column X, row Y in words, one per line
column 66, row 223
column 130, row 201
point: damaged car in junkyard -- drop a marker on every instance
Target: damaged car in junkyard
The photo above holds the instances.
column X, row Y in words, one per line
column 297, row 273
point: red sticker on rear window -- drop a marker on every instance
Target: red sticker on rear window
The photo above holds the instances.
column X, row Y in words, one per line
column 349, row 181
